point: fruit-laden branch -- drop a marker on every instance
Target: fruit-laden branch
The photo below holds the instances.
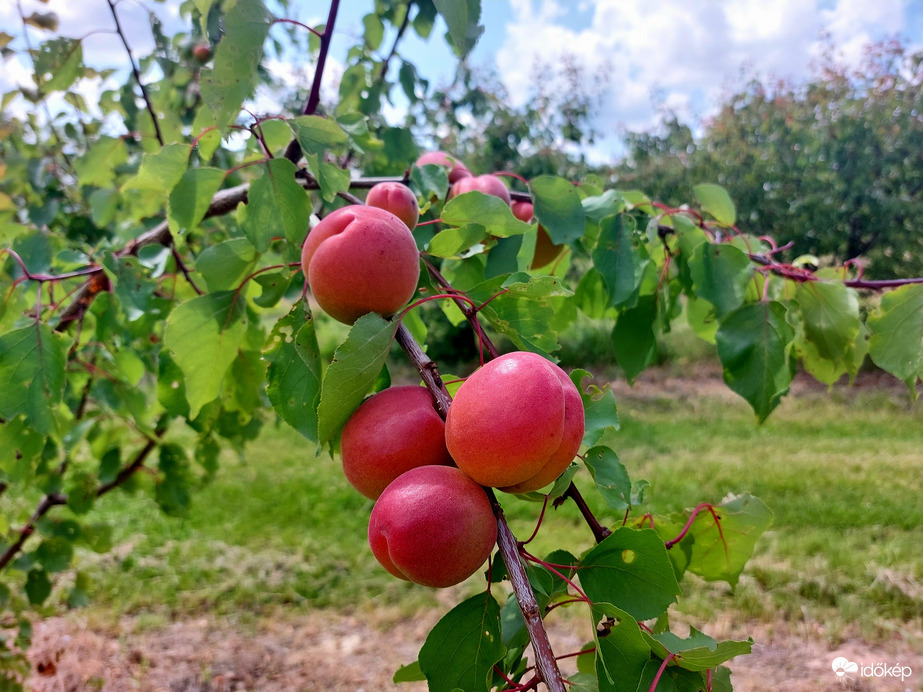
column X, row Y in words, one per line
column 506, row 541
column 54, row 499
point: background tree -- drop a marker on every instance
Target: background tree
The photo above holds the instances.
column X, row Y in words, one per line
column 832, row 166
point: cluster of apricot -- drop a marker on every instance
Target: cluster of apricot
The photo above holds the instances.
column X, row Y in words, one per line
column 515, row 424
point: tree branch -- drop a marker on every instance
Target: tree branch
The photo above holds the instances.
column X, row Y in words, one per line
column 600, row 532
column 137, row 74
column 293, row 152
column 506, row 541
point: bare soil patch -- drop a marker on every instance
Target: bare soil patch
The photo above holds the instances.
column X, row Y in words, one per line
column 346, row 653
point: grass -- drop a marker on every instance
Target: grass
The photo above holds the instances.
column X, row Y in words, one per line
column 281, row 531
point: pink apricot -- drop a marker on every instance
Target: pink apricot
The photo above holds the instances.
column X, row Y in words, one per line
column 457, row 170
column 488, row 184
column 432, row 525
column 361, row 259
column 396, row 198
column 390, row 433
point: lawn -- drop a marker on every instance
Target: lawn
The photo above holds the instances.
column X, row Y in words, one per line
column 280, row 531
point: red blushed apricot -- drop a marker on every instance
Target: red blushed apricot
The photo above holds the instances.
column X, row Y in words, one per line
column 432, row 525
column 488, row 184
column 396, row 198
column 545, row 249
column 392, row 432
column 457, row 170
column 571, row 439
column 507, row 420
column 361, row 259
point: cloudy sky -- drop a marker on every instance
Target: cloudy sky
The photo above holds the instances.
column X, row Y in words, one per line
column 680, row 53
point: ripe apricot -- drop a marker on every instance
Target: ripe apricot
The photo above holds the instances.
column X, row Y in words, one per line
column 516, row 423
column 432, row 525
column 488, row 184
column 396, row 198
column 361, row 259
column 456, row 169
column 545, row 249
column 391, row 432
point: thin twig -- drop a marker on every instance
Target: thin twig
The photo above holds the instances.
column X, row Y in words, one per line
column 137, row 74
column 293, row 152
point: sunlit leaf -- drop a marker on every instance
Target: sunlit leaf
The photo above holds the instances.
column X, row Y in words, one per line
column 278, row 207
column 896, row 334
column 716, row 201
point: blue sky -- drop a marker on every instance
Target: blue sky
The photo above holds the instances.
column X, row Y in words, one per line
column 680, row 53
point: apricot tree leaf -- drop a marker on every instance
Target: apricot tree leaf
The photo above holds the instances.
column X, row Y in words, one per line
column 463, row 647
column 484, row 210
column 354, row 369
column 616, row 259
column 720, row 274
column 557, row 206
column 716, row 201
column 294, row 372
column 630, row 569
column 32, row 363
column 896, row 327
column 278, row 207
column 621, row 652
column 191, row 197
column 204, row 335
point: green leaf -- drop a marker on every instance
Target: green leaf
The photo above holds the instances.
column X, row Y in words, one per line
column 38, row 586
column 830, row 312
column 54, row 554
column 719, row 548
column 896, row 334
column 557, row 206
column 224, row 264
column 274, row 285
column 430, row 181
column 161, row 171
column 484, row 210
column 462, row 648
column 355, row 366
column 374, row 30
column 233, row 77
column 698, row 652
column 715, row 200
column 97, row 166
column 175, row 481
column 633, row 339
column 409, row 673
column 599, row 410
column 278, row 207
column 523, row 311
column 753, row 344
column 455, row 242
column 81, row 492
column 32, row 363
column 294, row 373
column 617, row 260
column 631, row 570
column 316, row 134
column 610, row 477
column 20, row 447
column 59, row 63
column 331, row 179
column 621, row 652
column 720, row 274
column 79, row 596
column 171, row 386
column 203, row 335
column 190, row 199
column 132, row 286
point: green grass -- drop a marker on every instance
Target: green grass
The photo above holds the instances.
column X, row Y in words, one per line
column 282, row 530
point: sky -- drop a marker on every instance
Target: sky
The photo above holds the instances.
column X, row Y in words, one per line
column 678, row 54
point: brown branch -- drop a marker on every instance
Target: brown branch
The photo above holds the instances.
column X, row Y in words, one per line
column 293, row 152
column 54, row 499
column 506, row 541
column 184, row 269
column 600, row 532
column 804, row 275
column 136, row 73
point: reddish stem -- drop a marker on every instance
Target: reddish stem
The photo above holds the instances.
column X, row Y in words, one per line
column 538, row 524
column 663, row 667
column 285, row 20
column 682, row 534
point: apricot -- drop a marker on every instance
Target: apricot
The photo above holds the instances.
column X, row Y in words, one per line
column 396, row 198
column 516, row 423
column 457, row 170
column 545, row 249
column 488, row 184
column 432, row 525
column 391, row 432
column 361, row 259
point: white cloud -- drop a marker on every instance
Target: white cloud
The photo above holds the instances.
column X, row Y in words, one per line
column 685, row 52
